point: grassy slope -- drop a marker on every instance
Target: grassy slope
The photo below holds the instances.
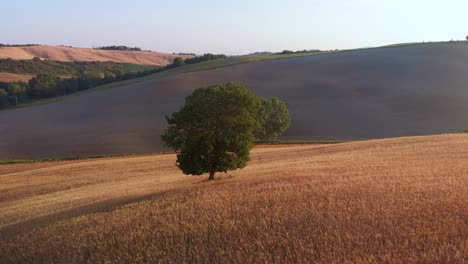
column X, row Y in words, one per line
column 392, row 200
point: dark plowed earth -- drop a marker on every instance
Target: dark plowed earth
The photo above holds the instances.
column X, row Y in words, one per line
column 363, row 94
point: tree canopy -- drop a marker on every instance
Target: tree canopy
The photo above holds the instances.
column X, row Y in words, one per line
column 116, row 47
column 275, row 119
column 178, row 61
column 215, row 129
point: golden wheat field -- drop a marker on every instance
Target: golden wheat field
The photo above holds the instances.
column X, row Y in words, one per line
column 402, row 200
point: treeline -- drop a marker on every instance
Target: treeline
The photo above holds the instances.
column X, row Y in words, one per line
column 47, row 86
column 69, row 69
column 118, row 48
column 205, row 57
column 185, row 53
column 179, row 61
column 54, row 78
column 17, row 45
column 284, row 52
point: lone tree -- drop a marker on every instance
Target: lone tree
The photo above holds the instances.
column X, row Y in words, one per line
column 215, row 129
column 467, row 37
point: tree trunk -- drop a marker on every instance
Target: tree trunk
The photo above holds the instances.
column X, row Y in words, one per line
column 212, row 175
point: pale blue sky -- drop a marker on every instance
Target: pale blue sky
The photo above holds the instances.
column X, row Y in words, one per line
column 231, row 27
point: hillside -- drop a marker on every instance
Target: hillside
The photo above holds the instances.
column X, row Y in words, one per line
column 60, row 53
column 360, row 94
column 400, row 200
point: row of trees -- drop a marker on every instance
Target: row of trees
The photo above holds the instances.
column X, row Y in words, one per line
column 47, row 86
column 17, row 45
column 179, row 61
column 284, row 52
column 72, row 69
column 114, row 47
column 185, row 54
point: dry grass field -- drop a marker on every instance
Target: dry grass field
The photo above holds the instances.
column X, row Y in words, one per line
column 402, row 200
column 13, row 77
column 60, row 53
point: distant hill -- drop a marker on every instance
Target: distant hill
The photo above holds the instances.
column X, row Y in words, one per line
column 360, row 94
column 61, row 53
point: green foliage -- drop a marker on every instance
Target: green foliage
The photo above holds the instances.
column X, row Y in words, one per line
column 288, row 52
column 19, row 91
column 205, row 57
column 69, row 69
column 215, row 129
column 43, row 85
column 61, row 78
column 178, row 61
column 275, row 118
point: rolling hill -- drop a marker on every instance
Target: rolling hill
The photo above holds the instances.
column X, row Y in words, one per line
column 397, row 200
column 360, row 94
column 61, row 53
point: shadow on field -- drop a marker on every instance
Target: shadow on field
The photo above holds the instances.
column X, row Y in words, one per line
column 102, row 206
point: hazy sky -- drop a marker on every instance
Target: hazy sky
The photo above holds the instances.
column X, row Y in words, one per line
column 231, row 27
